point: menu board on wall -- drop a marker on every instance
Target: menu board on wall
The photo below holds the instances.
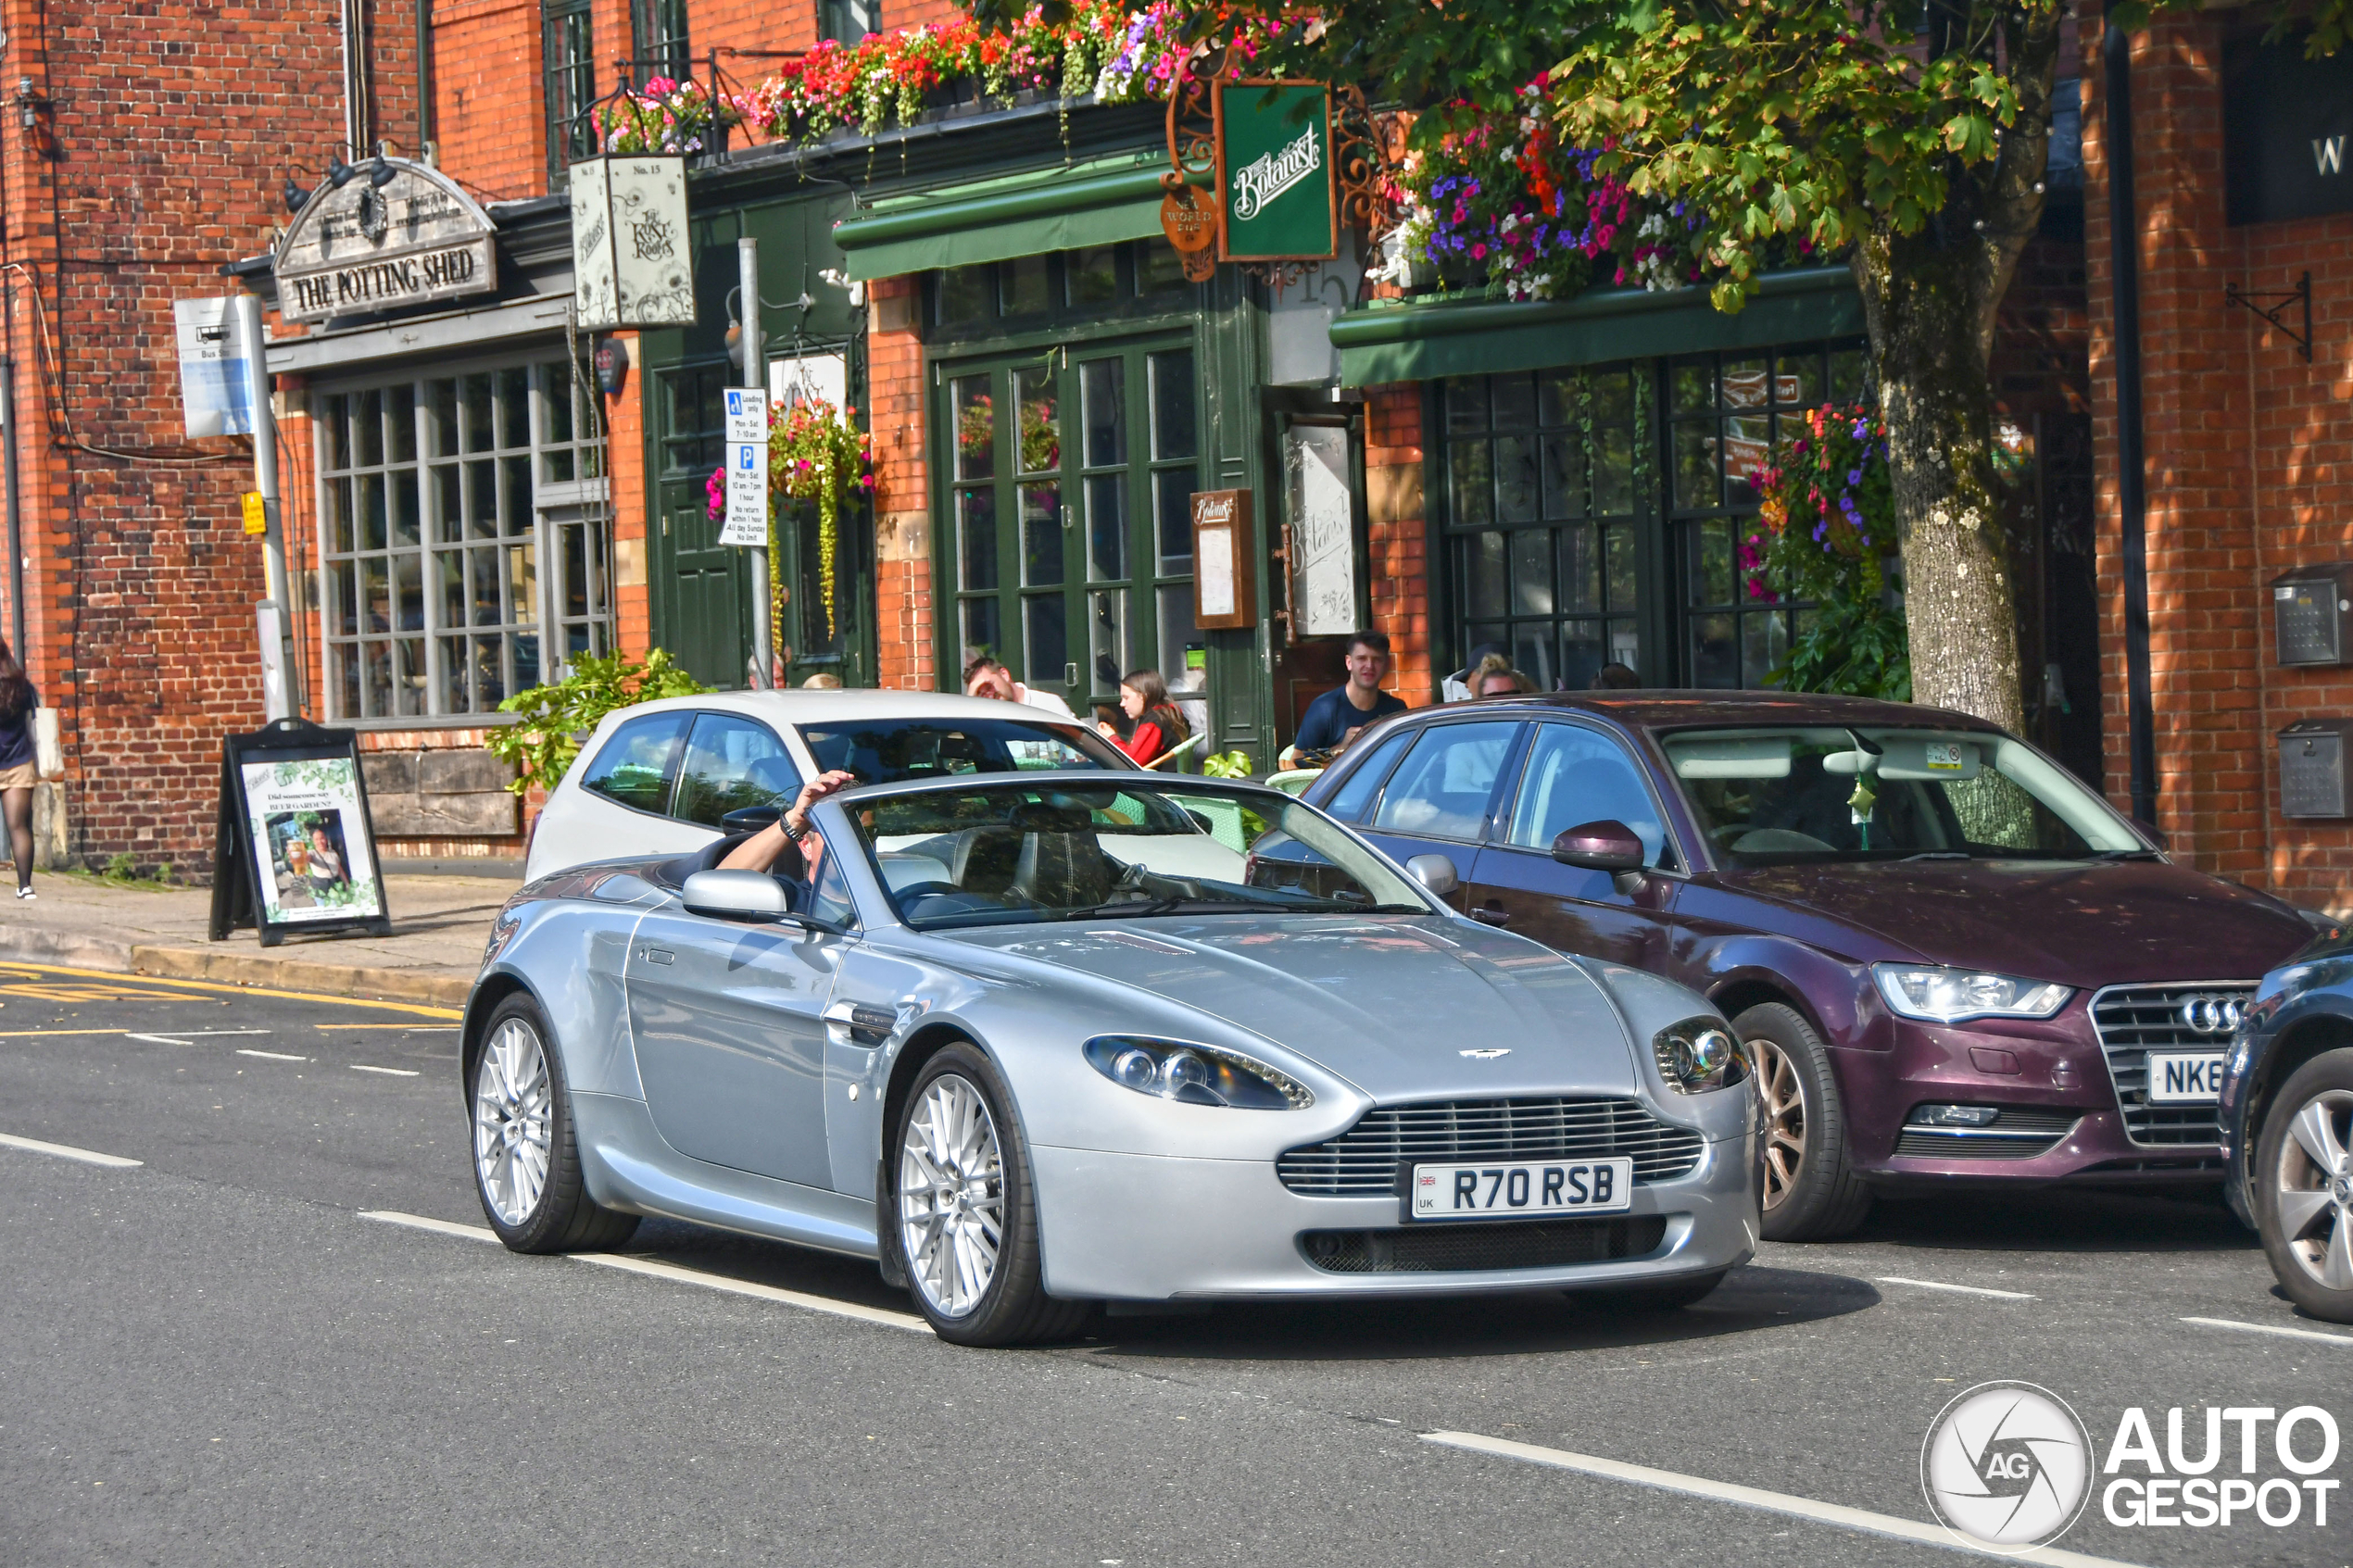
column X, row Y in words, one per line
column 1321, row 508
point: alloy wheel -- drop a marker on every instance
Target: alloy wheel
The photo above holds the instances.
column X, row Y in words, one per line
column 512, row 1127
column 2314, row 1195
column 952, row 1196
column 1781, row 1097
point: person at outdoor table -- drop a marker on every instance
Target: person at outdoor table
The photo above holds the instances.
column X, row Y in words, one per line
column 1495, row 677
column 1159, row 724
column 1334, row 719
column 765, row 850
column 984, row 676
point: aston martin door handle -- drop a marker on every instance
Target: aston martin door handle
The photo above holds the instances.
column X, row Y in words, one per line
column 854, row 1024
column 1493, row 914
column 658, row 955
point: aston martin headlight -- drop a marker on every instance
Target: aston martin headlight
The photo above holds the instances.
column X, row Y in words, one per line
column 1948, row 996
column 1698, row 1055
column 1192, row 1075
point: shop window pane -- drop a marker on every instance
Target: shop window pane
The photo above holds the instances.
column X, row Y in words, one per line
column 490, row 675
column 975, row 427
column 1041, row 535
column 448, row 508
column 1045, row 618
column 1797, row 381
column 450, row 567
column 1485, row 589
column 1692, row 389
column 373, row 524
column 1158, row 270
column 1174, row 431
column 514, row 407
column 481, row 500
column 454, row 699
column 409, row 591
column 1584, row 649
column 1764, row 643
column 1467, row 405
column 343, row 600
column 336, row 420
column 1712, row 563
column 514, row 514
column 1107, row 639
column 1107, row 528
column 407, row 524
column 964, row 295
column 1515, row 478
column 1532, row 653
column 1102, row 385
column 1715, row 652
column 1532, row 572
column 1172, row 504
column 1580, row 567
column 484, row 566
column 475, row 412
column 1620, row 546
column 343, row 675
column 339, row 517
column 1557, row 399
column 1745, row 386
column 575, row 541
column 400, row 420
column 368, row 428
column 1021, row 284
column 379, row 694
column 1471, row 485
column 557, row 465
column 1093, row 274
column 984, row 629
column 1625, row 645
column 1563, row 476
column 523, row 583
column 1695, row 482
column 1180, row 640
column 555, row 379
column 1613, row 397
column 1613, row 471
column 1515, row 401
column 1042, row 438
column 441, row 418
column 1748, row 447
column 976, row 537
column 1846, row 375
column 409, row 676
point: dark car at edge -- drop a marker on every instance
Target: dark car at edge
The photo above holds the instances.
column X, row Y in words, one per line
column 1953, row 963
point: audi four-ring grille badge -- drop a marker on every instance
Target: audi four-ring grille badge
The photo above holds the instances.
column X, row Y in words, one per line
column 2214, row 1012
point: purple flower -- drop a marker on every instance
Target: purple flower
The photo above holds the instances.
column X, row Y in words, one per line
column 1853, row 476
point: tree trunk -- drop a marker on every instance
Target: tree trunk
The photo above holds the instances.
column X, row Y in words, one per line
column 1929, row 309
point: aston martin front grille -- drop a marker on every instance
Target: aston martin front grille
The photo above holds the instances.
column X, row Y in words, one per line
column 2132, row 1020
column 1429, row 1249
column 1363, row 1160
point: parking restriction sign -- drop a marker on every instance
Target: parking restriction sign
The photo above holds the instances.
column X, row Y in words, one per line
column 747, row 468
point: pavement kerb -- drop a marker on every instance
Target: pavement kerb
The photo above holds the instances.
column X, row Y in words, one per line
column 366, row 981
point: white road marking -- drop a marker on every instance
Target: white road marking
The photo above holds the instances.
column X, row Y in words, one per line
column 269, row 1055
column 67, row 1151
column 654, row 1269
column 1961, row 1289
column 188, row 1036
column 1834, row 1514
column 387, row 1071
column 2272, row 1328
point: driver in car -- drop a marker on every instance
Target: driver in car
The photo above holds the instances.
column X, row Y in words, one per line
column 763, row 850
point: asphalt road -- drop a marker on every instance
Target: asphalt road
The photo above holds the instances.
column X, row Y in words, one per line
column 213, row 1357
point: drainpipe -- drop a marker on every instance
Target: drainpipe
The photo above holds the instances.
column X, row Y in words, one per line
column 2123, row 236
column 426, row 151
column 16, row 514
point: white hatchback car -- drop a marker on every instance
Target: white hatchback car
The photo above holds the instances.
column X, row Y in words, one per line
column 656, row 778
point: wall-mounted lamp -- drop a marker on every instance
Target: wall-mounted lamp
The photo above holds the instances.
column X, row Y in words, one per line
column 29, row 104
column 295, row 196
column 339, row 173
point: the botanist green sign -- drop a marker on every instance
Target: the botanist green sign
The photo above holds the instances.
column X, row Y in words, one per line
column 1274, row 172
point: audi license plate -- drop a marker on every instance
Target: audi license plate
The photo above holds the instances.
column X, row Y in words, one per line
column 2185, row 1077
column 1519, row 1190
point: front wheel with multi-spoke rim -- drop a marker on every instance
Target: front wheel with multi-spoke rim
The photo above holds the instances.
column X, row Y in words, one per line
column 2304, row 1186
column 962, row 1214
column 526, row 1161
column 1810, row 1190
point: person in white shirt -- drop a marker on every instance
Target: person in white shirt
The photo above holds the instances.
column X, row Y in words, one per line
column 984, row 676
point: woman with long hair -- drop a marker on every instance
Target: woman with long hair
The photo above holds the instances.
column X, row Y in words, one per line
column 18, row 767
column 1159, row 724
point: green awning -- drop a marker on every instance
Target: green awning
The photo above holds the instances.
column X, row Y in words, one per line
column 1423, row 341
column 1099, row 202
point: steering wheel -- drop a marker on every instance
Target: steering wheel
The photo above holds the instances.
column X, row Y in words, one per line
column 921, row 889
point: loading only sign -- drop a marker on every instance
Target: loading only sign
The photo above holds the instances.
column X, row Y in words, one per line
column 747, row 522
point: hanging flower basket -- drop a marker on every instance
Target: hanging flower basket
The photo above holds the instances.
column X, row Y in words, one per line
column 815, row 453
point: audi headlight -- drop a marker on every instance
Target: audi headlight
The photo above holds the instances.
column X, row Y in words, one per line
column 1193, row 1074
column 1948, row 996
column 1698, row 1055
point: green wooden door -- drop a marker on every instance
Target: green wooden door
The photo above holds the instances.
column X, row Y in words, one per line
column 701, row 609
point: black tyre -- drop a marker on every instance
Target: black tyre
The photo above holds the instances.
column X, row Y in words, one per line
column 1811, row 1192
column 526, row 1161
column 961, row 1215
column 2303, row 1181
column 1673, row 1297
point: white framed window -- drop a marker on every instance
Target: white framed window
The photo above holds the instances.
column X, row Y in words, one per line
column 465, row 543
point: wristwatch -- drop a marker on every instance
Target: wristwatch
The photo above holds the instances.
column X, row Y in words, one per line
column 795, row 833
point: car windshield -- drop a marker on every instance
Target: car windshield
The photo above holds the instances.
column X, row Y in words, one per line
column 1793, row 794
column 1013, row 853
column 897, row 751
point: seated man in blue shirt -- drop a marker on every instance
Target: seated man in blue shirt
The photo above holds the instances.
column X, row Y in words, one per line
column 1337, row 717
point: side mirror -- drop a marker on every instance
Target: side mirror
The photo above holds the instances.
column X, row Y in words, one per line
column 1606, row 846
column 1435, row 872
column 749, row 819
column 736, row 894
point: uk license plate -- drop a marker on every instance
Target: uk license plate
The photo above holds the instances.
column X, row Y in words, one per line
column 1519, row 1190
column 2185, row 1077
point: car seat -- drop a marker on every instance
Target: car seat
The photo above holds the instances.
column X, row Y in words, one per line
column 1064, row 870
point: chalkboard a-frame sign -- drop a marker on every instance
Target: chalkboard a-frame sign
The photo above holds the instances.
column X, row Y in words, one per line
column 294, row 848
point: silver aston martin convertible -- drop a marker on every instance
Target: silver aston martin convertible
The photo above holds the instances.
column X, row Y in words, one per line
column 1040, row 1042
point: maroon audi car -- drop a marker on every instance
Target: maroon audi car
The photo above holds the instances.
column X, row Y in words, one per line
column 1952, row 961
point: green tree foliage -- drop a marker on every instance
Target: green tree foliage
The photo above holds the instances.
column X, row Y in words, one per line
column 551, row 721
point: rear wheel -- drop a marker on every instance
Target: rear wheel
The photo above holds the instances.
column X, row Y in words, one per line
column 526, row 1162
column 2304, row 1186
column 1811, row 1192
column 962, row 1217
